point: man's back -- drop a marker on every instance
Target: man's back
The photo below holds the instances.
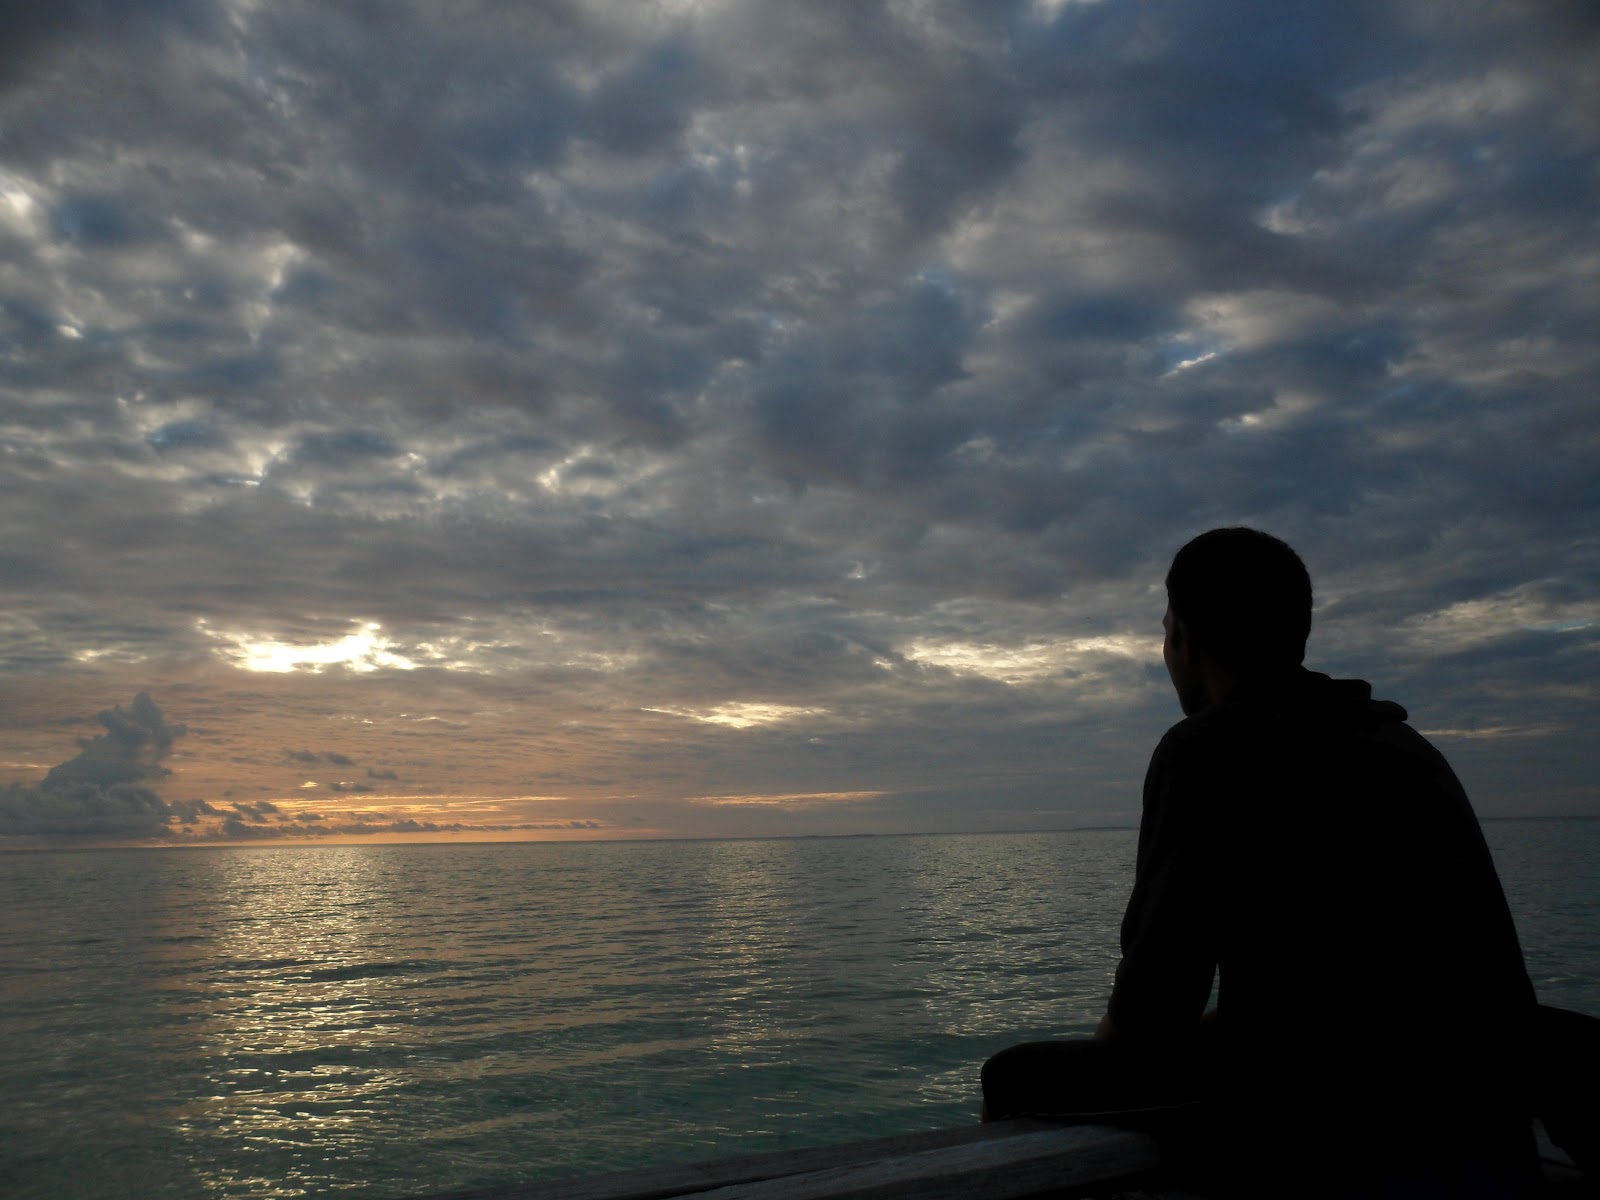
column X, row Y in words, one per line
column 1306, row 849
column 1321, row 855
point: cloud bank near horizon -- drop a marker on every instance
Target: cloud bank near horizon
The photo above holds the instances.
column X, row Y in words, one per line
column 109, row 791
column 633, row 405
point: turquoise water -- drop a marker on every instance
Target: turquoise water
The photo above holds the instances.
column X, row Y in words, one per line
column 381, row 1021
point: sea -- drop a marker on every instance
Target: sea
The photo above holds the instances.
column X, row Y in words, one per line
column 392, row 1021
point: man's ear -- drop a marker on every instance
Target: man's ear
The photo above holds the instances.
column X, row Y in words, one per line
column 1189, row 651
column 1180, row 638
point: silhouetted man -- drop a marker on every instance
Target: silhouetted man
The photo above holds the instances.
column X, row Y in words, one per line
column 1312, row 854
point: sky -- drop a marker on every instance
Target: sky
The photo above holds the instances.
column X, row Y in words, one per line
column 600, row 419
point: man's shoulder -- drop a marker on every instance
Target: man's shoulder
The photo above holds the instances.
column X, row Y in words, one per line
column 1218, row 722
column 1186, row 746
column 1311, row 712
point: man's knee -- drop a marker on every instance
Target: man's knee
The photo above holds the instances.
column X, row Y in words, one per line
column 1044, row 1078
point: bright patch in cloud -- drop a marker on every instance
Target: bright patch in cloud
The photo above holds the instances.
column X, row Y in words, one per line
column 1474, row 623
column 1491, row 732
column 787, row 799
column 744, row 716
column 1256, row 319
column 1030, row 662
column 1285, row 408
column 365, row 650
column 1196, row 361
column 1047, row 11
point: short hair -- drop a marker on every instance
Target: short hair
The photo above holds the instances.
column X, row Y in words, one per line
column 1245, row 596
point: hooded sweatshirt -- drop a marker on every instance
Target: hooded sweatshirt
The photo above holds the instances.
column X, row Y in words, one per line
column 1313, row 855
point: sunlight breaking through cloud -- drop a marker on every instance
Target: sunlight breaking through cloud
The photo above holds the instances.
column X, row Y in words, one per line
column 744, row 716
column 787, row 799
column 363, row 651
column 1032, row 662
column 1469, row 624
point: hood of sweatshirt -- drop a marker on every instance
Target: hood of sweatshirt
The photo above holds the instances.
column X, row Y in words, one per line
column 1346, row 701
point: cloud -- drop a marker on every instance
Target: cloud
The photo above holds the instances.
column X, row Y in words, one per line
column 681, row 388
column 136, row 740
column 34, row 33
column 108, row 792
column 310, row 826
column 189, row 812
column 101, row 791
column 312, row 756
column 788, row 800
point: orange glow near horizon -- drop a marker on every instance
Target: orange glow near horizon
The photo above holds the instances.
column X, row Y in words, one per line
column 464, row 836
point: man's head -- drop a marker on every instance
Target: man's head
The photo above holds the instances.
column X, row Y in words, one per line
column 1238, row 606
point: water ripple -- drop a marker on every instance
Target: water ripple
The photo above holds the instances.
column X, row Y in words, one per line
column 379, row 1020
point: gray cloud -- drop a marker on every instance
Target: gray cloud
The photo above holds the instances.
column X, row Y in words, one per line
column 310, row 757
column 839, row 360
column 102, row 792
column 136, row 739
column 315, row 825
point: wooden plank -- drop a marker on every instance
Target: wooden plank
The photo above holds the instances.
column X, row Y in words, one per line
column 981, row 1162
column 695, row 1178
column 1560, row 1172
column 1003, row 1169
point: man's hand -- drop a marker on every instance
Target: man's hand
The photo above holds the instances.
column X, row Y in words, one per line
column 1107, row 1029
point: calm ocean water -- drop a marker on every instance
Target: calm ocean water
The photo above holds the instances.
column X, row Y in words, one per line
column 383, row 1021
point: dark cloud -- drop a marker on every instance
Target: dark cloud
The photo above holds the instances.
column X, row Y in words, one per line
column 98, row 222
column 102, row 792
column 258, row 813
column 183, row 435
column 34, row 34
column 136, row 739
column 312, row 756
column 188, row 812
column 83, row 810
column 342, row 448
column 315, row 825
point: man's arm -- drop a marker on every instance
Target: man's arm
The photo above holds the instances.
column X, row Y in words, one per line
column 1169, row 951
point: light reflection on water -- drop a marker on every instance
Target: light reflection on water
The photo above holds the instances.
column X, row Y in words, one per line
column 384, row 1020
column 302, row 1020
